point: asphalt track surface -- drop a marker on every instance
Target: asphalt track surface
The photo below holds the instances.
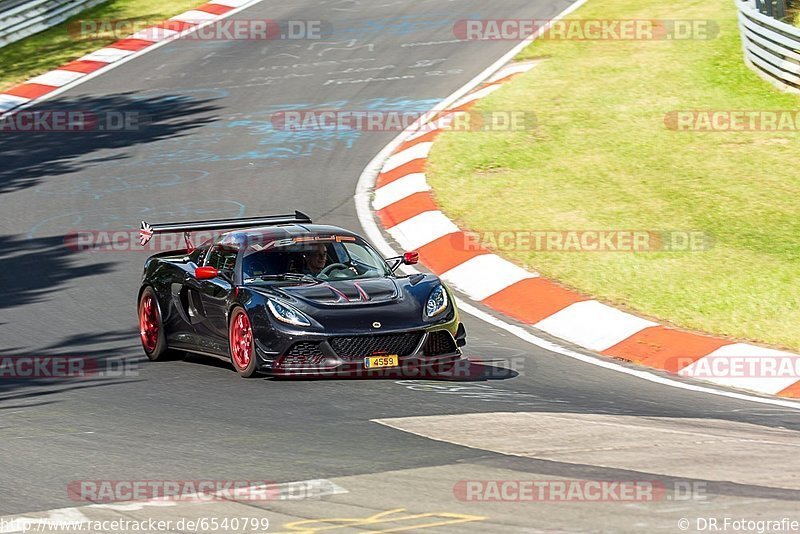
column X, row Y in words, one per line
column 209, row 150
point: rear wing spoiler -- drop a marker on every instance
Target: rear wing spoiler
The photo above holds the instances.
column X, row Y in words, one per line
column 147, row 231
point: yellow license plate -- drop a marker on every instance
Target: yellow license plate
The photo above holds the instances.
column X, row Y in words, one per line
column 376, row 362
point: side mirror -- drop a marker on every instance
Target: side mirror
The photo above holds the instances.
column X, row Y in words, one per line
column 408, row 258
column 206, row 273
column 411, row 258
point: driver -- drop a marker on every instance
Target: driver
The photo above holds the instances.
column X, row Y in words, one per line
column 315, row 259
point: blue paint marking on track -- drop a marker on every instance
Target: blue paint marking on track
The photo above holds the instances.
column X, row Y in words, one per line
column 100, row 186
column 270, row 142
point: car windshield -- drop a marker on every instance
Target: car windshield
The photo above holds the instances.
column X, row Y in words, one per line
column 313, row 259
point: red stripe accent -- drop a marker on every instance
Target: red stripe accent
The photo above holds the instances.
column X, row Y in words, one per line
column 665, row 348
column 83, row 65
column 532, row 299
column 134, row 45
column 216, row 9
column 30, row 90
column 448, row 251
column 361, row 292
column 793, row 391
column 404, row 209
column 417, row 165
column 336, row 291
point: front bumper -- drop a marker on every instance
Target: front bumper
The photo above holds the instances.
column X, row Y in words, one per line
column 432, row 349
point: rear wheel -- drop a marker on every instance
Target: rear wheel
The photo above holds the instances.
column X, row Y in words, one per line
column 151, row 329
column 240, row 343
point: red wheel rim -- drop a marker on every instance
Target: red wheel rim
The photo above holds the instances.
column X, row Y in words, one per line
column 241, row 340
column 148, row 323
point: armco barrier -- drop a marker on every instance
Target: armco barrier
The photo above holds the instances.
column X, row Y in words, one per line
column 19, row 19
column 771, row 47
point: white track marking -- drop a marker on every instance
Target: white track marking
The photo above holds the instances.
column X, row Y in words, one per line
column 418, row 151
column 593, row 325
column 484, row 275
column 194, row 16
column 155, row 34
column 400, row 189
column 57, row 77
column 422, row 229
column 107, row 55
column 767, row 385
column 10, row 101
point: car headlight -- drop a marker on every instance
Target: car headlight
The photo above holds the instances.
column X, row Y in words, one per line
column 287, row 314
column 437, row 302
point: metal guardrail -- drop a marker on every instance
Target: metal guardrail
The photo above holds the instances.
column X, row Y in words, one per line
column 771, row 47
column 21, row 18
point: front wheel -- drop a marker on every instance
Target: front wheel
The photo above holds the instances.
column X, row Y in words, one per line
column 240, row 343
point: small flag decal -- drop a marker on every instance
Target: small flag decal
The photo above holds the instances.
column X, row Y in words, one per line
column 145, row 233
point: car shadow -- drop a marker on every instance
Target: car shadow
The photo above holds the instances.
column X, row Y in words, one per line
column 99, row 359
column 124, row 120
column 35, row 267
column 464, row 371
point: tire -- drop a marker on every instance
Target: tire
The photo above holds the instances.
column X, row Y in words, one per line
column 151, row 328
column 241, row 346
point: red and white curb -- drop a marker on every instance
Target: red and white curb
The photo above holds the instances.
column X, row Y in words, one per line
column 407, row 210
column 72, row 73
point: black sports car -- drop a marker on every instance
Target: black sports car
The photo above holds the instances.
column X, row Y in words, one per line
column 282, row 296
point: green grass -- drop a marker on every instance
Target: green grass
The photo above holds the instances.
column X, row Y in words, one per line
column 602, row 158
column 53, row 47
column 792, row 15
column 793, row 12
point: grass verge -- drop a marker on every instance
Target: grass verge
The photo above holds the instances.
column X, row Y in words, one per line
column 601, row 157
column 47, row 50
